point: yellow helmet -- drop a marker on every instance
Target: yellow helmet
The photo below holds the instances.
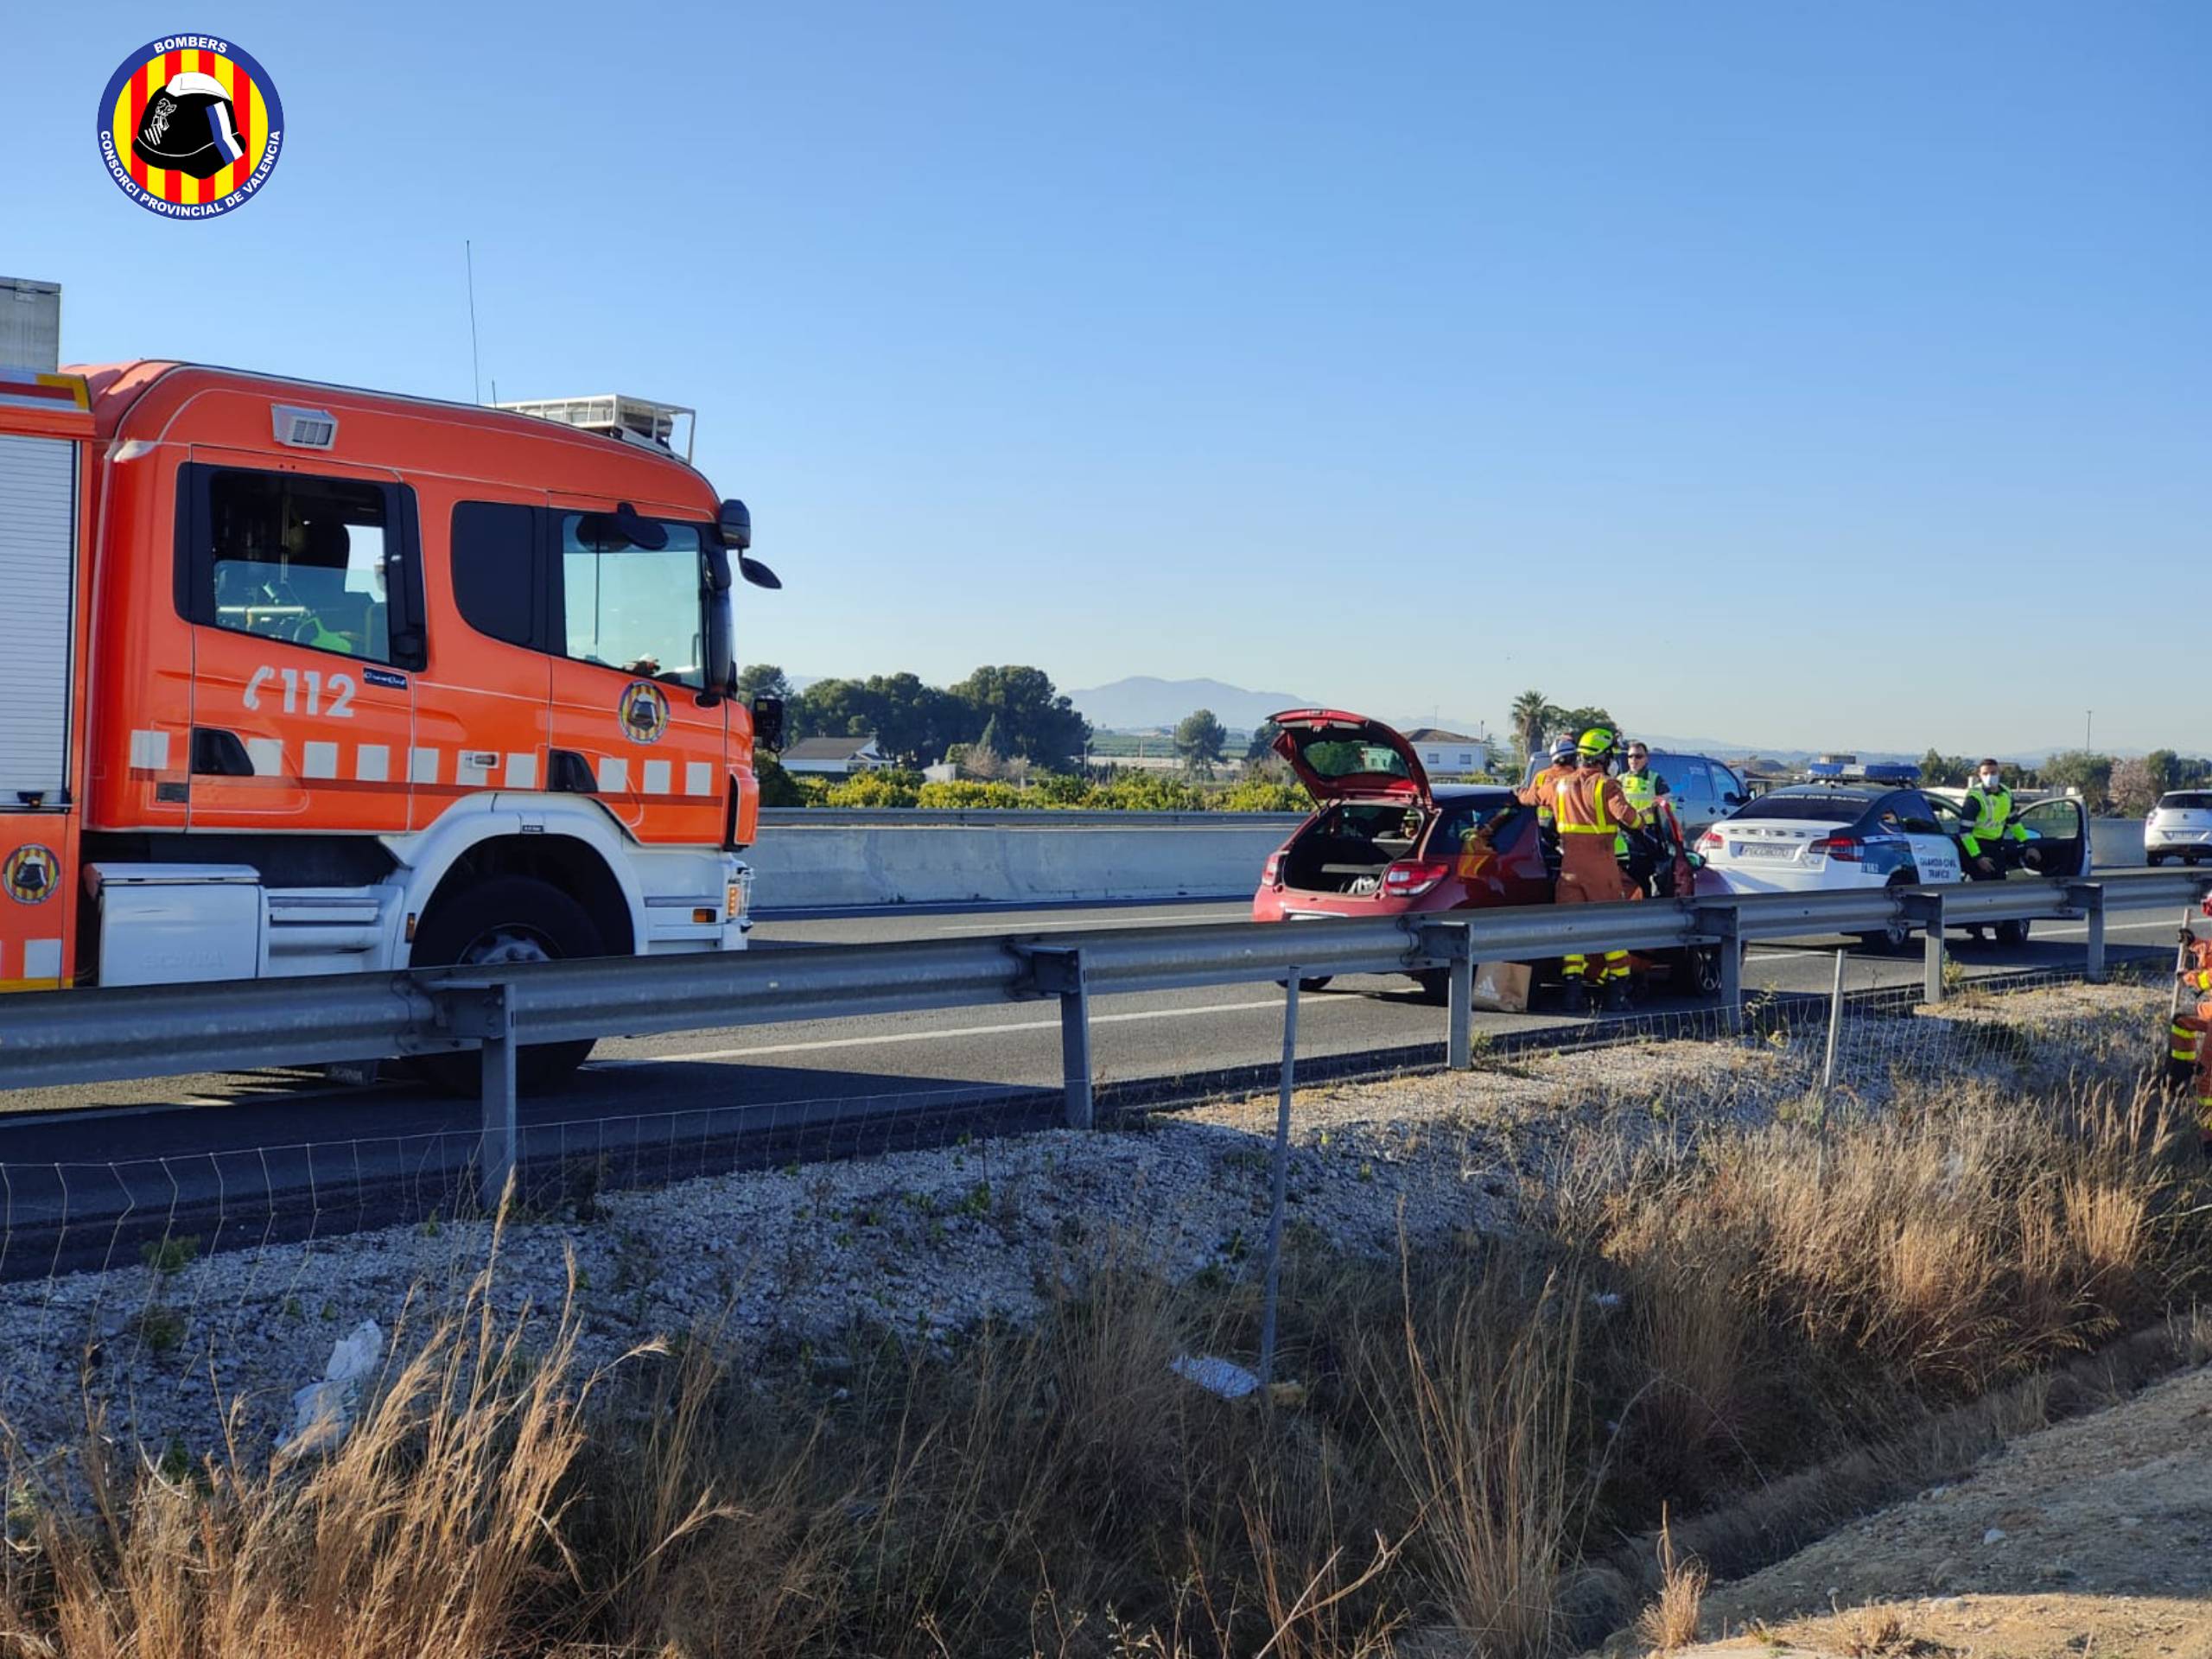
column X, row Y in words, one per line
column 1598, row 740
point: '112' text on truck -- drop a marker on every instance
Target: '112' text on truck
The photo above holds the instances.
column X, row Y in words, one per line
column 304, row 680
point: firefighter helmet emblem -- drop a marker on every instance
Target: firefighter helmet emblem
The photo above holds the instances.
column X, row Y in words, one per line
column 190, row 126
column 644, row 711
column 31, row 873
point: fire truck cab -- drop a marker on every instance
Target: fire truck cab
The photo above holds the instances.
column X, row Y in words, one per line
column 298, row 679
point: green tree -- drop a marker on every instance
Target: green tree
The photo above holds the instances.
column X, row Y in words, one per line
column 985, row 756
column 778, row 787
column 1949, row 770
column 833, row 709
column 915, row 722
column 1530, row 722
column 1262, row 744
column 2163, row 768
column 1575, row 722
column 1200, row 740
column 2078, row 769
column 763, row 680
column 1035, row 721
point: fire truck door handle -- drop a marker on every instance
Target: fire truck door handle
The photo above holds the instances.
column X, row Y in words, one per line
column 218, row 754
column 570, row 773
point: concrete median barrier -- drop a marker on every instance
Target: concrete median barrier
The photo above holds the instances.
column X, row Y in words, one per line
column 2116, row 844
column 823, row 859
column 1020, row 858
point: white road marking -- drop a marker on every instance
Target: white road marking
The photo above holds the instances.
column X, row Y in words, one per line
column 1094, row 922
column 822, row 1044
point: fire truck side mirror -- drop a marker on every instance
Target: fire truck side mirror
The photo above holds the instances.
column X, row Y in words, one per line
column 735, row 522
column 767, row 722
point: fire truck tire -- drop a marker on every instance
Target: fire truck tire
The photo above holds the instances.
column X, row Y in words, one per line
column 509, row 918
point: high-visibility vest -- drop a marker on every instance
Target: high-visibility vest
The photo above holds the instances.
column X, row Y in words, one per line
column 1992, row 809
column 1570, row 809
column 1641, row 789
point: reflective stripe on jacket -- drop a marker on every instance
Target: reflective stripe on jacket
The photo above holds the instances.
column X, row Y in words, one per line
column 1591, row 803
column 1992, row 814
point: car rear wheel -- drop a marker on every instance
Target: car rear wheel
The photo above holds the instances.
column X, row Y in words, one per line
column 507, row 921
column 1898, row 934
column 2154, row 860
column 2014, row 932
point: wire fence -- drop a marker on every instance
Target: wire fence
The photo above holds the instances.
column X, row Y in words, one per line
column 183, row 1298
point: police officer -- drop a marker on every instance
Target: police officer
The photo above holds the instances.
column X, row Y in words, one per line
column 1991, row 822
column 1646, row 790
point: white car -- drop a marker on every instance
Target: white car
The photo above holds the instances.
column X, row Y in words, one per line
column 1830, row 837
column 2180, row 826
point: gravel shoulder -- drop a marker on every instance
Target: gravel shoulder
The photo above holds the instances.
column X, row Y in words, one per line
column 928, row 1242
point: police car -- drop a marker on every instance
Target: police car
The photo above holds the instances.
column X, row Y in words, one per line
column 1829, row 836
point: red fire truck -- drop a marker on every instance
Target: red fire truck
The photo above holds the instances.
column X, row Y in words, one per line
column 302, row 679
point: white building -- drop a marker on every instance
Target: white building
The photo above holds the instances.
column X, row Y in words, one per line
column 832, row 756
column 1448, row 754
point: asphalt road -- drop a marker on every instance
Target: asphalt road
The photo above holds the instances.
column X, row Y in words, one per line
column 956, row 1055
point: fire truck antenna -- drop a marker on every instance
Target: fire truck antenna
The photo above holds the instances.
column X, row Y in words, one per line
column 475, row 373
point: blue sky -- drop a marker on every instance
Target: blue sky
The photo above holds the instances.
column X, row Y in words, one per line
column 1802, row 375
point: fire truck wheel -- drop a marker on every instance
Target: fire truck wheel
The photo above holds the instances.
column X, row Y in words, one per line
column 510, row 919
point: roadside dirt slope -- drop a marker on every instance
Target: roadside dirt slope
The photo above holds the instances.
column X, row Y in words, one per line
column 2094, row 1538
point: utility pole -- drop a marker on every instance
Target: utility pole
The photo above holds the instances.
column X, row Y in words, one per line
column 2088, row 715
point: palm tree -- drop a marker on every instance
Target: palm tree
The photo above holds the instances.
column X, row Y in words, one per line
column 1532, row 711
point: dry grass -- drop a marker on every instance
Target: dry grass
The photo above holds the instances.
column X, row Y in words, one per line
column 1670, row 1622
column 1478, row 1421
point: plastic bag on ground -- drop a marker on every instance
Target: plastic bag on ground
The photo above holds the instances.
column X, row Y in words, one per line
column 322, row 1411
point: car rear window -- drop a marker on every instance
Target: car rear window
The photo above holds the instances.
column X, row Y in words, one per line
column 1825, row 808
column 1346, row 758
column 2187, row 801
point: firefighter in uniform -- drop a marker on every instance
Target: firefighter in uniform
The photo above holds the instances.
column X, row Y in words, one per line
column 1542, row 792
column 1591, row 811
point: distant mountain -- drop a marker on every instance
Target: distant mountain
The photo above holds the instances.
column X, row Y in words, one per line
column 1141, row 702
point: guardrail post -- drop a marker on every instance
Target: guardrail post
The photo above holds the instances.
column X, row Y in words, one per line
column 1926, row 909
column 2089, row 897
column 1720, row 922
column 1059, row 972
column 493, row 1019
column 1279, row 1179
column 1836, row 1026
column 1455, row 943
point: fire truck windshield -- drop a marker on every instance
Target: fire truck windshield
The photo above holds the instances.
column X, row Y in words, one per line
column 631, row 608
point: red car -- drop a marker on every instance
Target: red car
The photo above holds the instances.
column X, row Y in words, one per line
column 1386, row 843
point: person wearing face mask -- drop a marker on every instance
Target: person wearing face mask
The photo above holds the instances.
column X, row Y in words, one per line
column 1991, row 824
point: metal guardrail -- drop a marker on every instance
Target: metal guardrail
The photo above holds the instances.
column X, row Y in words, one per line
column 1020, row 817
column 86, row 1036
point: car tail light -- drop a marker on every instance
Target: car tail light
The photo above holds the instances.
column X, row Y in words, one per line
column 1272, row 876
column 1847, row 850
column 1409, row 878
column 1711, row 841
